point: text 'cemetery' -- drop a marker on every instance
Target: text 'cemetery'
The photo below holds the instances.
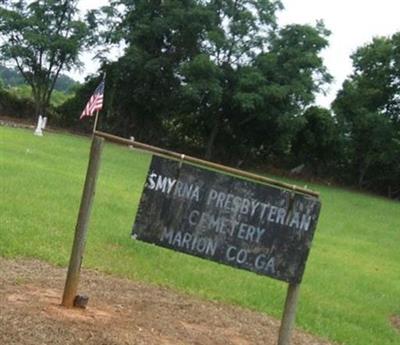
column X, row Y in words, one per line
column 227, row 219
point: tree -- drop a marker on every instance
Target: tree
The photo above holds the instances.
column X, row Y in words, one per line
column 217, row 76
column 239, row 31
column 317, row 142
column 277, row 87
column 159, row 36
column 266, row 76
column 367, row 109
column 182, row 58
column 201, row 94
column 42, row 38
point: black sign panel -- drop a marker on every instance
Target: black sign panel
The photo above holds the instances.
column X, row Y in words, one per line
column 230, row 220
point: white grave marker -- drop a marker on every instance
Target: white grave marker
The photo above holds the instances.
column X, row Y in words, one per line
column 41, row 125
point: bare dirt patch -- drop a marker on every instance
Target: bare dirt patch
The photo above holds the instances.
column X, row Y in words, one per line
column 395, row 321
column 120, row 312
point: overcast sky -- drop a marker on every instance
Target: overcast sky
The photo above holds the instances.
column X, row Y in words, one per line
column 352, row 22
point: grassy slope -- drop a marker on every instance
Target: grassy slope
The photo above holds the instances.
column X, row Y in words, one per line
column 352, row 281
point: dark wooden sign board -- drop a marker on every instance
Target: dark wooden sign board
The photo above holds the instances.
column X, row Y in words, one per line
column 230, row 220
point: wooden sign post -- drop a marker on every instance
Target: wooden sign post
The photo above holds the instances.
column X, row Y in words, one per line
column 78, row 248
column 289, row 314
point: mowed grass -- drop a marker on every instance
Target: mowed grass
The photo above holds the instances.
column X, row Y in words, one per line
column 352, row 282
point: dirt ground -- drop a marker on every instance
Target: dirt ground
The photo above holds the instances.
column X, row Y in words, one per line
column 395, row 320
column 120, row 312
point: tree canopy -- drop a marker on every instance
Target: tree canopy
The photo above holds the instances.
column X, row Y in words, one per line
column 367, row 109
column 41, row 38
column 209, row 75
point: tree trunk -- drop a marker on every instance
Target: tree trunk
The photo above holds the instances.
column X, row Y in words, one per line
column 361, row 176
column 40, row 103
column 211, row 138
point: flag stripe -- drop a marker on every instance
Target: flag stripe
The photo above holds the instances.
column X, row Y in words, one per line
column 95, row 102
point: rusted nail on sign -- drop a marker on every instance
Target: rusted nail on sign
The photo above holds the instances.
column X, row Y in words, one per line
column 226, row 219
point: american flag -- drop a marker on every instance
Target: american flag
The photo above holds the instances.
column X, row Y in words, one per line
column 95, row 102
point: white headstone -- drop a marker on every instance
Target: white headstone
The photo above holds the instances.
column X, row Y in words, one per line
column 44, row 122
column 38, row 130
column 132, row 139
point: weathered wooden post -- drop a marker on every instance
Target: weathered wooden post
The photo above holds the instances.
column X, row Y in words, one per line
column 78, row 247
column 289, row 314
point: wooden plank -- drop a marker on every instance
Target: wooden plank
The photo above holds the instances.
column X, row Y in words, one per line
column 198, row 161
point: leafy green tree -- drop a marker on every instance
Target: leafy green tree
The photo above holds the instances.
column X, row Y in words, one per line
column 239, row 31
column 317, row 143
column 159, row 36
column 42, row 38
column 266, row 76
column 217, row 77
column 367, row 109
column 201, row 94
column 277, row 88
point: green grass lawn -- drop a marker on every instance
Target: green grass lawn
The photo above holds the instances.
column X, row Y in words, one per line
column 352, row 282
